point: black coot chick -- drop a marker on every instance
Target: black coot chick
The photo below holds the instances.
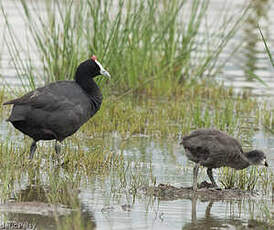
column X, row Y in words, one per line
column 59, row 109
column 212, row 148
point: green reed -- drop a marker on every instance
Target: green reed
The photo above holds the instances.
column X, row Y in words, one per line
column 247, row 179
column 266, row 47
column 144, row 44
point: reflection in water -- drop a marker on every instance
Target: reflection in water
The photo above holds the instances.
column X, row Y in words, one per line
column 28, row 213
column 33, row 193
column 30, row 209
column 47, row 222
column 210, row 221
column 206, row 222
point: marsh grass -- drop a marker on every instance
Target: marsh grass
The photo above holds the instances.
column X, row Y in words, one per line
column 2, row 97
column 267, row 50
column 244, row 179
column 247, row 179
column 197, row 107
column 212, row 106
column 89, row 151
column 14, row 164
column 147, row 46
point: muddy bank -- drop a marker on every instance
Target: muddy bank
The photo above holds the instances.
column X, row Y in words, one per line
column 204, row 192
column 35, row 208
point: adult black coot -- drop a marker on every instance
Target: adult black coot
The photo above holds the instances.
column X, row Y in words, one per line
column 212, row 148
column 59, row 109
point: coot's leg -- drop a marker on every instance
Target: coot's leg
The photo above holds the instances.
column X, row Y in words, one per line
column 207, row 212
column 195, row 176
column 209, row 173
column 57, row 148
column 32, row 149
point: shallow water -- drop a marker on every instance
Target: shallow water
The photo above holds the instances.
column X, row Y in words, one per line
column 107, row 204
column 169, row 166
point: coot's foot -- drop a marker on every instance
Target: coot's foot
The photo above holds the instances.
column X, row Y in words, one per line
column 215, row 188
column 207, row 185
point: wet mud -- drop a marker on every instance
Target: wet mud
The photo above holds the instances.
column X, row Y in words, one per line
column 205, row 192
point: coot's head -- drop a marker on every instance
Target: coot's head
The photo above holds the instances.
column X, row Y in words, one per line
column 257, row 157
column 90, row 68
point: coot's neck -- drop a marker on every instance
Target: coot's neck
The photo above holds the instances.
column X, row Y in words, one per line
column 242, row 162
column 90, row 87
column 87, row 83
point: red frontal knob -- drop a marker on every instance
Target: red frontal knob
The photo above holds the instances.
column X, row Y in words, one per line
column 94, row 58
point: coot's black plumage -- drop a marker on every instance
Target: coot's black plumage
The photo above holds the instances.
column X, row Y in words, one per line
column 59, row 109
column 212, row 148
